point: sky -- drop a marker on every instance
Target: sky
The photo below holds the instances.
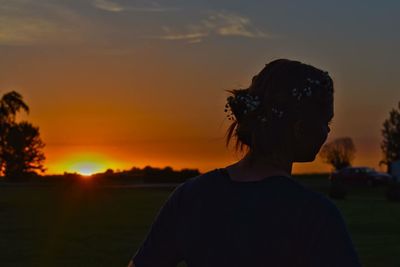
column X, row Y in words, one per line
column 117, row 84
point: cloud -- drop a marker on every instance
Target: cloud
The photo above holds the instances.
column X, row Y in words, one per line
column 48, row 22
column 24, row 31
column 216, row 23
column 38, row 22
column 108, row 5
column 145, row 6
column 229, row 24
column 191, row 37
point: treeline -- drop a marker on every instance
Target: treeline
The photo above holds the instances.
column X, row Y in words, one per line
column 135, row 175
column 147, row 174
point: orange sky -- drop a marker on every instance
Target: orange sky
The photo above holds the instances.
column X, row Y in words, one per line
column 117, row 86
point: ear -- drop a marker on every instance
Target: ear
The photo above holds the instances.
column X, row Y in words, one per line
column 298, row 129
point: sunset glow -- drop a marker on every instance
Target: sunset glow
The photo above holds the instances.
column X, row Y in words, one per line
column 87, row 168
column 136, row 85
column 85, row 163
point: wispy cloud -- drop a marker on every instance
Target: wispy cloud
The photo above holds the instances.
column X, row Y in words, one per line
column 145, row 6
column 191, row 37
column 216, row 23
column 38, row 22
column 232, row 24
column 16, row 31
column 108, row 5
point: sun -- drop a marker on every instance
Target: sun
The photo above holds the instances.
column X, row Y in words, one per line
column 88, row 168
column 86, row 172
column 86, row 164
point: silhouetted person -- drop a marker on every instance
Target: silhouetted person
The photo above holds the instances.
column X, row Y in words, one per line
column 253, row 213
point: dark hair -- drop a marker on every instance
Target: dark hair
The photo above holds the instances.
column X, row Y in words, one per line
column 275, row 85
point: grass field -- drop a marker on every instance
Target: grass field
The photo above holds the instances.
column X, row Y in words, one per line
column 89, row 226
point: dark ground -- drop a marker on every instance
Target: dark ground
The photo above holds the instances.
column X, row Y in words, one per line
column 98, row 226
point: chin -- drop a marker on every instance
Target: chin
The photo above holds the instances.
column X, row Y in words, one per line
column 305, row 158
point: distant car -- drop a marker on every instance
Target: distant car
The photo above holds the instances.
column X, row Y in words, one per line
column 361, row 175
column 394, row 170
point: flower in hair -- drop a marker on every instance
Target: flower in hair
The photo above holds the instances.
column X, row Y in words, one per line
column 245, row 100
column 228, row 109
column 251, row 102
column 277, row 112
column 307, row 91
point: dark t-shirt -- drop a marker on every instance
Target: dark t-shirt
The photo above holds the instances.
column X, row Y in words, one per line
column 213, row 221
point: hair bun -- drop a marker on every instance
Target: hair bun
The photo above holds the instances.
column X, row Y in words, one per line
column 241, row 103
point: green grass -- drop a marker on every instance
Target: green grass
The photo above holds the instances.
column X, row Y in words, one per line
column 47, row 226
column 88, row 226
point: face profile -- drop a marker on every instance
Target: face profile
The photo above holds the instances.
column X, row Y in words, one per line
column 311, row 135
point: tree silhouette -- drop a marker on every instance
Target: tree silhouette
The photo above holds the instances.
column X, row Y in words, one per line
column 10, row 104
column 339, row 153
column 391, row 137
column 22, row 153
column 20, row 143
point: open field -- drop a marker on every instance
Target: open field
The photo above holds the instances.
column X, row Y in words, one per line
column 92, row 226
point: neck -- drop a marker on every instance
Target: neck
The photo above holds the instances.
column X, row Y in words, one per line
column 257, row 168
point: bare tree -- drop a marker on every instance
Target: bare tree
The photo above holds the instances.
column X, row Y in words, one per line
column 391, row 137
column 339, row 153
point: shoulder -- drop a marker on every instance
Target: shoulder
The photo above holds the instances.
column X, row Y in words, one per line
column 201, row 182
column 322, row 202
column 322, row 208
column 314, row 199
column 196, row 186
column 314, row 205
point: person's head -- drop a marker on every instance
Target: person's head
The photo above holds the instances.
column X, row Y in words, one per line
column 284, row 113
